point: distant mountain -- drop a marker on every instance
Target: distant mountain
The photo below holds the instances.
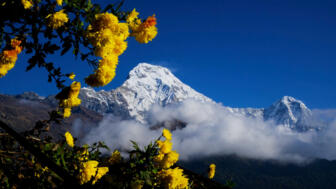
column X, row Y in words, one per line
column 22, row 112
column 291, row 113
column 148, row 85
column 145, row 86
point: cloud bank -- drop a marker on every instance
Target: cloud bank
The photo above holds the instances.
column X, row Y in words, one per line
column 212, row 130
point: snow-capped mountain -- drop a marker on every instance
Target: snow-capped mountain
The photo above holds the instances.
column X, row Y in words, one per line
column 145, row 86
column 148, row 85
column 292, row 113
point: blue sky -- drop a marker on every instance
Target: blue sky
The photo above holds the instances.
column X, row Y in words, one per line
column 240, row 53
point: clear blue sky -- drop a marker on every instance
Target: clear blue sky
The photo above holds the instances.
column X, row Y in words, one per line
column 241, row 53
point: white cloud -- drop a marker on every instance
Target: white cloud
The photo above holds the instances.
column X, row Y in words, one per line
column 212, row 130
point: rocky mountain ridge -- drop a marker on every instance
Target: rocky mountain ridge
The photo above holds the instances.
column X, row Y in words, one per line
column 149, row 85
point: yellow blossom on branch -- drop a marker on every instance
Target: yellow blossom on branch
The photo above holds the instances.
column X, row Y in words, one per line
column 59, row 2
column 165, row 146
column 69, row 98
column 27, row 4
column 173, row 178
column 105, row 72
column 143, row 32
column 57, row 19
column 133, row 21
column 166, row 133
column 9, row 57
column 69, row 139
column 91, row 170
column 72, row 76
column 211, row 172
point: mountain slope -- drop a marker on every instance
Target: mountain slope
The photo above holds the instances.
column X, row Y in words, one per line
column 149, row 84
column 146, row 85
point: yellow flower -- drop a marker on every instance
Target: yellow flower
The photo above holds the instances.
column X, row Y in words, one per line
column 90, row 169
column 159, row 157
column 69, row 139
column 100, row 173
column 145, row 35
column 170, row 159
column 166, row 133
column 115, row 157
column 211, row 172
column 105, row 72
column 133, row 21
column 59, row 2
column 69, row 98
column 173, row 178
column 107, row 35
column 66, row 112
column 72, row 76
column 9, row 57
column 27, row 4
column 147, row 31
column 105, row 20
column 57, row 19
column 165, row 146
column 87, row 171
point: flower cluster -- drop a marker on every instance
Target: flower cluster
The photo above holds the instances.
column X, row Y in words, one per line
column 9, row 57
column 108, row 36
column 211, row 172
column 170, row 178
column 69, row 98
column 142, row 31
column 27, row 4
column 59, row 2
column 69, row 139
column 173, row 178
column 166, row 157
column 58, row 19
column 90, row 170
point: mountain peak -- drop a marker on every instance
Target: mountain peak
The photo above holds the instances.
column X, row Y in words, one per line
column 290, row 112
column 289, row 99
column 30, row 96
column 145, row 71
column 145, row 86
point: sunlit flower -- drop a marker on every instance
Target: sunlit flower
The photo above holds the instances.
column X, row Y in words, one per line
column 57, row 19
column 211, row 172
column 105, row 72
column 69, row 139
column 100, row 173
column 59, row 2
column 27, row 4
column 9, row 57
column 133, row 21
column 72, row 76
column 173, row 178
column 169, row 159
column 69, row 98
column 147, row 31
column 166, row 133
column 165, row 146
column 91, row 170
